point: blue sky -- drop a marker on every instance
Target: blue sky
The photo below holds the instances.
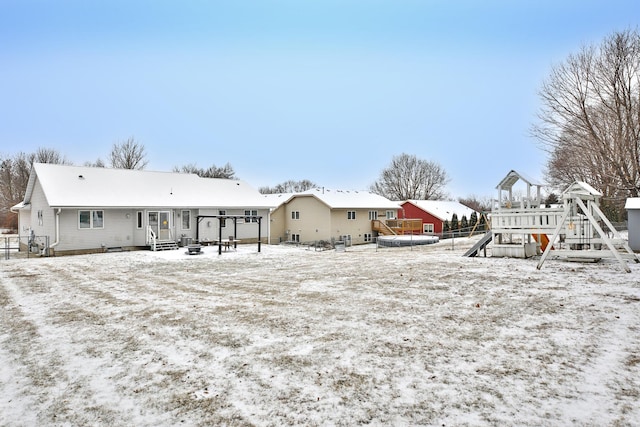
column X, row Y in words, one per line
column 323, row 90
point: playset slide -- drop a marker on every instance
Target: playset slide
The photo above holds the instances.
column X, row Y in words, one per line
column 544, row 240
column 480, row 244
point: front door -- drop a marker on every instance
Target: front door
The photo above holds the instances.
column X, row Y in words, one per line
column 159, row 223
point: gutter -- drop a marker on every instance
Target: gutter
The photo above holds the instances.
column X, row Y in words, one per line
column 57, row 229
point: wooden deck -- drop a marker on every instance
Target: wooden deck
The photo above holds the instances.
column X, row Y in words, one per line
column 397, row 226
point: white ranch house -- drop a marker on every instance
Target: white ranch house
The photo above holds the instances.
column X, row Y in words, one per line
column 88, row 209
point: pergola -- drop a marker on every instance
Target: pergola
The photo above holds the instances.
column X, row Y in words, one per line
column 233, row 218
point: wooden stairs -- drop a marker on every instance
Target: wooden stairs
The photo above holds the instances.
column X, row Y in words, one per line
column 164, row 245
column 382, row 228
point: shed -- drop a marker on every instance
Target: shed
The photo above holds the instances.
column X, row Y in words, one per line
column 633, row 212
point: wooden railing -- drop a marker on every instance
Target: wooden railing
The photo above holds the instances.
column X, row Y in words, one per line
column 397, row 226
column 382, row 228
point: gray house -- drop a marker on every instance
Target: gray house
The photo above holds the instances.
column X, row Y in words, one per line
column 88, row 209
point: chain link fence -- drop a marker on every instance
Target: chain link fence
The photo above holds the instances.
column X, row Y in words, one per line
column 14, row 246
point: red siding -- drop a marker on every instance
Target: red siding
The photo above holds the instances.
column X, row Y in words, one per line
column 411, row 211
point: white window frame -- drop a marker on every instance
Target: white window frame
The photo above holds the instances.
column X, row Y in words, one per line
column 373, row 215
column 185, row 214
column 391, row 214
column 368, row 237
column 139, row 219
column 351, row 215
column 250, row 215
column 92, row 219
column 427, row 228
column 295, row 215
column 295, row 238
column 40, row 218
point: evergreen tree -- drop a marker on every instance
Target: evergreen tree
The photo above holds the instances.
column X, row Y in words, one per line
column 464, row 224
column 483, row 223
column 473, row 219
column 455, row 225
column 551, row 199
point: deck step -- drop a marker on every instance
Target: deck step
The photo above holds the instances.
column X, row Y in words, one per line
column 165, row 245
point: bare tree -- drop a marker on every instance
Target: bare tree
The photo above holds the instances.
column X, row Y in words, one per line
column 289, row 186
column 213, row 171
column 14, row 177
column 589, row 122
column 48, row 155
column 479, row 204
column 408, row 177
column 128, row 155
column 97, row 164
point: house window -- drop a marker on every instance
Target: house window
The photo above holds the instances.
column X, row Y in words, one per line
column 295, row 214
column 251, row 216
column 427, row 228
column 391, row 214
column 373, row 215
column 139, row 219
column 367, row 237
column 351, row 214
column 295, row 238
column 91, row 219
column 40, row 218
column 186, row 220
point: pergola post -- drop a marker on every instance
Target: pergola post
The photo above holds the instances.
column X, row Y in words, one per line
column 259, row 232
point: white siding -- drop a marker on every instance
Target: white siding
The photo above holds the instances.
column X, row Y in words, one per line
column 117, row 232
column 39, row 204
column 210, row 227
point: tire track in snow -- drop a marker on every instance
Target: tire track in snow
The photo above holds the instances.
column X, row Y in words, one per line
column 63, row 378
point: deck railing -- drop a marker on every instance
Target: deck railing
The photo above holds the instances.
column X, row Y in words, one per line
column 151, row 238
column 397, row 226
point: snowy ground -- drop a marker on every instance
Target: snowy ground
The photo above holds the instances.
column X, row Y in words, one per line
column 395, row 336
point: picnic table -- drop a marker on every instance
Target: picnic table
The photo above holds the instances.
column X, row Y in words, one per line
column 227, row 243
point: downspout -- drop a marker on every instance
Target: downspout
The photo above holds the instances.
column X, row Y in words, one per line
column 57, row 229
column 268, row 227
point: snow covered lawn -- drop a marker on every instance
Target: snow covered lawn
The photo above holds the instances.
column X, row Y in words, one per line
column 397, row 336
